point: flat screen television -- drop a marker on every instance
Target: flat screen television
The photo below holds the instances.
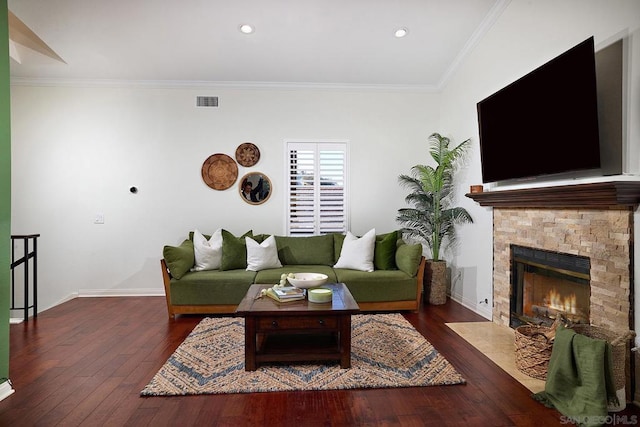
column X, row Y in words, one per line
column 544, row 123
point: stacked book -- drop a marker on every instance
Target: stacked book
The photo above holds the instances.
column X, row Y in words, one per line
column 286, row 294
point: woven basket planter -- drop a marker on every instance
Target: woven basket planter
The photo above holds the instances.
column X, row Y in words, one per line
column 533, row 350
column 436, row 282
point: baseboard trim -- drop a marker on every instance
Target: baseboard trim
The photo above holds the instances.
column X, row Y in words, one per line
column 69, row 297
column 6, row 390
column 96, row 293
column 140, row 292
column 481, row 310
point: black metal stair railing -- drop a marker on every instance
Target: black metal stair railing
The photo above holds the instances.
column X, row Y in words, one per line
column 24, row 260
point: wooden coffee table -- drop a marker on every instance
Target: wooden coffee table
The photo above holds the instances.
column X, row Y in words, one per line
column 298, row 331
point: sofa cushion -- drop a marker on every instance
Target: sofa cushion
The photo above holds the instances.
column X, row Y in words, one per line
column 357, row 253
column 408, row 257
column 261, row 256
column 179, row 259
column 234, row 251
column 211, row 287
column 379, row 285
column 208, row 252
column 294, row 250
column 272, row 276
column 384, row 256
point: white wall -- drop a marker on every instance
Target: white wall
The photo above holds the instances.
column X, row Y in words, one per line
column 76, row 150
column 528, row 34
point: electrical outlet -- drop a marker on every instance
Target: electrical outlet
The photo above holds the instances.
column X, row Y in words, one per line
column 99, row 218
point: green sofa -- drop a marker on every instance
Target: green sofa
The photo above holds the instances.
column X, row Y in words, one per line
column 395, row 284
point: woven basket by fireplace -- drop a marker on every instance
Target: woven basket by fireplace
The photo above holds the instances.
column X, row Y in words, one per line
column 533, row 350
column 618, row 342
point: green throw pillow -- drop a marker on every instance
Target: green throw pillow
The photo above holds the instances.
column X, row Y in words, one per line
column 338, row 240
column 179, row 259
column 259, row 238
column 298, row 250
column 384, row 255
column 408, row 258
column 234, row 251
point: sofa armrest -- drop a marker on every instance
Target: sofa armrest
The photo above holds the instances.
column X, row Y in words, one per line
column 166, row 278
column 420, row 279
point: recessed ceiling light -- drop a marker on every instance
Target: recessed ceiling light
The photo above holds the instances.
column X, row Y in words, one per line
column 246, row 28
column 401, row 32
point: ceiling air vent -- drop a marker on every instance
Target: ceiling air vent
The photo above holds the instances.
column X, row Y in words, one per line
column 207, row 101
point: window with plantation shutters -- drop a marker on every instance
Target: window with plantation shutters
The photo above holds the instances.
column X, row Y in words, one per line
column 316, row 197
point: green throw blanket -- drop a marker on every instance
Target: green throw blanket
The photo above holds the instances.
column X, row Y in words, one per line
column 579, row 378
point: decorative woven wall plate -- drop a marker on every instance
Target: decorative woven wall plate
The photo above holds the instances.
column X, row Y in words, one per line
column 247, row 154
column 219, row 171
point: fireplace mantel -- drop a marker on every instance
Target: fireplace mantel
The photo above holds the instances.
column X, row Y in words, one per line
column 603, row 195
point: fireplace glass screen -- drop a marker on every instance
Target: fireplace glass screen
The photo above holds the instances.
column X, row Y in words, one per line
column 545, row 285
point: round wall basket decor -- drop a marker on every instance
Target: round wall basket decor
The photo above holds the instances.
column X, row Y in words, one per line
column 219, row 171
column 247, row 154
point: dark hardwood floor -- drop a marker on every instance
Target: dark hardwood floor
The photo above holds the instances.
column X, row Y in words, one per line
column 84, row 363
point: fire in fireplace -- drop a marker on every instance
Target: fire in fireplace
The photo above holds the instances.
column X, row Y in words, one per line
column 546, row 284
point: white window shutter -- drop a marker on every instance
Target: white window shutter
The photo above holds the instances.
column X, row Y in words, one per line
column 317, row 183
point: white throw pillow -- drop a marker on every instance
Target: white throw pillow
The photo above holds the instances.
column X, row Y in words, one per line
column 262, row 256
column 357, row 253
column 208, row 253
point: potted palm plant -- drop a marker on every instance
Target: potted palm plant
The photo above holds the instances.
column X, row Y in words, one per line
column 432, row 218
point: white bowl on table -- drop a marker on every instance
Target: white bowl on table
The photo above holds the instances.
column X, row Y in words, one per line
column 308, row 280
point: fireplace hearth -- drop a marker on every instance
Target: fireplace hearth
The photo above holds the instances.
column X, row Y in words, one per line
column 546, row 285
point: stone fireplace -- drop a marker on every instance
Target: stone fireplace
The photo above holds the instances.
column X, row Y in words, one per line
column 591, row 221
column 588, row 220
column 601, row 235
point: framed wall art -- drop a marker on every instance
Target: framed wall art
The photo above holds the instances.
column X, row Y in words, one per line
column 255, row 188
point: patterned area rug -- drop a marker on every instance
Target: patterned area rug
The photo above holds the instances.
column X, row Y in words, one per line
column 386, row 351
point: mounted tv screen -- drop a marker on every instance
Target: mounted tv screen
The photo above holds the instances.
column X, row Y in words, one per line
column 544, row 123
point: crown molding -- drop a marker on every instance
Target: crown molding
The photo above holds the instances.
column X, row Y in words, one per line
column 178, row 84
column 473, row 41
